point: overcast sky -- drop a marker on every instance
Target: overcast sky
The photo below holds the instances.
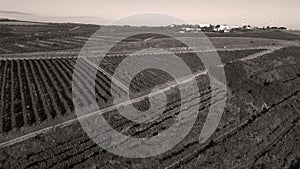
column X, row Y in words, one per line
column 257, row 12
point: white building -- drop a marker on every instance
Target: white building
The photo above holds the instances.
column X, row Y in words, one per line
column 190, row 29
column 204, row 25
column 225, row 28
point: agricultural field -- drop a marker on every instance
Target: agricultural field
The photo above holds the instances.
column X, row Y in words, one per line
column 44, row 37
column 271, row 34
column 38, row 90
column 260, row 127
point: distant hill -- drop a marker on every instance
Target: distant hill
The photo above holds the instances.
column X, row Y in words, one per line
column 7, row 20
column 22, row 16
column 14, row 12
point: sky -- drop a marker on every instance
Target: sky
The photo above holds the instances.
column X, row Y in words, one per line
column 230, row 12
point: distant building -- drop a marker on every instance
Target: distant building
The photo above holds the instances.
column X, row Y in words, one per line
column 204, row 25
column 211, row 28
column 191, row 29
column 225, row 28
column 173, row 25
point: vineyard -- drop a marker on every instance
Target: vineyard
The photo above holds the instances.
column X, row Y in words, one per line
column 35, row 91
column 38, row 90
column 256, row 130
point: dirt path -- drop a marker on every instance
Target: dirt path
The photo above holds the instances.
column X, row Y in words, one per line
column 75, row 53
column 256, row 55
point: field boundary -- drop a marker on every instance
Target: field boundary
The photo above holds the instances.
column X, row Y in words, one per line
column 74, row 53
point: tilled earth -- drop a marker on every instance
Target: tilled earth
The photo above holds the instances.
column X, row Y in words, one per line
column 259, row 127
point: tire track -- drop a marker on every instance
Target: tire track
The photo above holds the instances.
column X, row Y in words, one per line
column 273, row 142
column 220, row 139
